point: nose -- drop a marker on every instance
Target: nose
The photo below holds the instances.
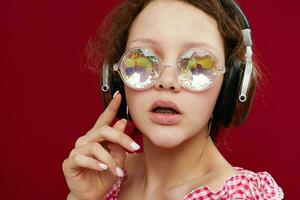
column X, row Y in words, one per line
column 168, row 79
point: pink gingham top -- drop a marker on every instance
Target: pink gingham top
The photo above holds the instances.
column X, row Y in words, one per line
column 245, row 185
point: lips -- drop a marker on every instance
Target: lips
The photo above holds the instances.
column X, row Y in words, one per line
column 164, row 104
column 165, row 113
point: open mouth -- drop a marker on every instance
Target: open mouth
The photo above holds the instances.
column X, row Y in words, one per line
column 165, row 113
column 165, row 110
column 164, row 107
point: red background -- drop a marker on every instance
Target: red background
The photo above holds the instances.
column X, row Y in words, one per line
column 47, row 99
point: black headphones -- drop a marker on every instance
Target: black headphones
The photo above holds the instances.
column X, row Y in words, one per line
column 236, row 82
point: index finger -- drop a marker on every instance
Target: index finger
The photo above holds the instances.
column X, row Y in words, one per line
column 110, row 112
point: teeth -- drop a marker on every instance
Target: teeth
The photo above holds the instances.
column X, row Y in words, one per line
column 165, row 110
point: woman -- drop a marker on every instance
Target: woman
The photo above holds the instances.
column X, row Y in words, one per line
column 181, row 62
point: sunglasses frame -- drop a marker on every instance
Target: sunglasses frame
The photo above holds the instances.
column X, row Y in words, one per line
column 162, row 66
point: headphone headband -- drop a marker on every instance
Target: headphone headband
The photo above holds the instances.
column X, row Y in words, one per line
column 245, row 23
column 232, row 100
column 247, row 39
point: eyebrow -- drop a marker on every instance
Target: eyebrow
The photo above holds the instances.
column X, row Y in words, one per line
column 187, row 45
column 144, row 40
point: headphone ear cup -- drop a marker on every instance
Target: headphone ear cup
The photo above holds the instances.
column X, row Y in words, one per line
column 242, row 109
column 117, row 85
column 226, row 102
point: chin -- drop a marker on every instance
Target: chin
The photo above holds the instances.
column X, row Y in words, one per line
column 165, row 144
column 165, row 138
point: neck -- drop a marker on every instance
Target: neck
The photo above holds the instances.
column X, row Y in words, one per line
column 170, row 167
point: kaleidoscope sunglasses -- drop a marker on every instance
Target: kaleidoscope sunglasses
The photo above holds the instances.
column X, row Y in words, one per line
column 140, row 69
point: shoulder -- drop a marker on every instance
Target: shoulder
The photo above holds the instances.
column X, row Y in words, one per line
column 245, row 185
column 261, row 184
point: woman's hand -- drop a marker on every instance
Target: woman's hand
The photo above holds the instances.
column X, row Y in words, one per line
column 98, row 157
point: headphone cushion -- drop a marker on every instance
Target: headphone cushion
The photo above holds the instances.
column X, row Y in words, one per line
column 118, row 85
column 226, row 102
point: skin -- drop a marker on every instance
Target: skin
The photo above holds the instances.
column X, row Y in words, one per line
column 168, row 150
column 168, row 31
column 177, row 158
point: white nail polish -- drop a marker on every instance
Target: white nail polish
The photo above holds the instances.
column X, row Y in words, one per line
column 115, row 94
column 134, row 146
column 124, row 120
column 119, row 172
column 102, row 166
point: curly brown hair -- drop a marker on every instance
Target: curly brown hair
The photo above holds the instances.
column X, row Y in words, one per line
column 109, row 43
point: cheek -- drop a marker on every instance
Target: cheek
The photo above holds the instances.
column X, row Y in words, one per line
column 134, row 99
column 201, row 111
column 203, row 104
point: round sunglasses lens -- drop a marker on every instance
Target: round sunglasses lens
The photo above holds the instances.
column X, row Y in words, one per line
column 139, row 68
column 197, row 69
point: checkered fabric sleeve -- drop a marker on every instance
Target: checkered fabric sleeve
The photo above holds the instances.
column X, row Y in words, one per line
column 114, row 191
column 246, row 185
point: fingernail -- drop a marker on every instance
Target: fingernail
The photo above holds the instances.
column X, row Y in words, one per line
column 115, row 93
column 119, row 172
column 102, row 166
column 134, row 146
column 122, row 123
column 124, row 120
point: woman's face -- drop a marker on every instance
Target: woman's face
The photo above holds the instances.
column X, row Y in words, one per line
column 169, row 28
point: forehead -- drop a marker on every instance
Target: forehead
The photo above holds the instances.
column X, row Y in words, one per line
column 173, row 25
